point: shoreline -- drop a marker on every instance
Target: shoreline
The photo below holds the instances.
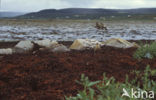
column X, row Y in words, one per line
column 10, row 44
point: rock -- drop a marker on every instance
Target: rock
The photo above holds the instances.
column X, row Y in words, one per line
column 52, row 46
column 23, row 46
column 56, row 48
column 46, row 43
column 135, row 32
column 81, row 44
column 119, row 43
column 60, row 48
column 42, row 49
column 6, row 51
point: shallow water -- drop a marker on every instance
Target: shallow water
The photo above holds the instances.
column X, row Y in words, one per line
column 71, row 31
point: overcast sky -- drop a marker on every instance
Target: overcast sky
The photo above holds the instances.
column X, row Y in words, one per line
column 36, row 5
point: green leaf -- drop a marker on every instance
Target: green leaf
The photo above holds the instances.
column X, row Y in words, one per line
column 93, row 83
column 91, row 93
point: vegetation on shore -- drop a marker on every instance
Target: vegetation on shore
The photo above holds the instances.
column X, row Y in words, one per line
column 146, row 51
column 110, row 89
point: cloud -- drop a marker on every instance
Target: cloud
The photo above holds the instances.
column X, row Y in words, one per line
column 32, row 5
column 36, row 5
column 80, row 3
column 124, row 4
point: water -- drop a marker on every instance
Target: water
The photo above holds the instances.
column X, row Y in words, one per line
column 71, row 31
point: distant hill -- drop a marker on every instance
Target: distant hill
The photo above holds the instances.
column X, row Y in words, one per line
column 139, row 11
column 86, row 13
column 10, row 14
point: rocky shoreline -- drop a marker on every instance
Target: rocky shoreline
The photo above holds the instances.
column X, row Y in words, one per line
column 54, row 46
column 10, row 44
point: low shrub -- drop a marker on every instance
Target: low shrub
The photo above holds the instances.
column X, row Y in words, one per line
column 146, row 51
column 109, row 89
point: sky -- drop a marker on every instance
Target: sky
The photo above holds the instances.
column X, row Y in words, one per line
column 36, row 5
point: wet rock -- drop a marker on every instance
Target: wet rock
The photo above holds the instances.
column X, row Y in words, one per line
column 133, row 36
column 23, row 46
column 122, row 34
column 119, row 43
column 46, row 43
column 6, row 51
column 108, row 35
column 135, row 32
column 82, row 44
column 55, row 32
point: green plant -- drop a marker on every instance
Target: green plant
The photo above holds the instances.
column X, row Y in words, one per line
column 146, row 51
column 88, row 93
column 109, row 89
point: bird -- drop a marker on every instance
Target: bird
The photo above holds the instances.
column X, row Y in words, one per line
column 100, row 26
